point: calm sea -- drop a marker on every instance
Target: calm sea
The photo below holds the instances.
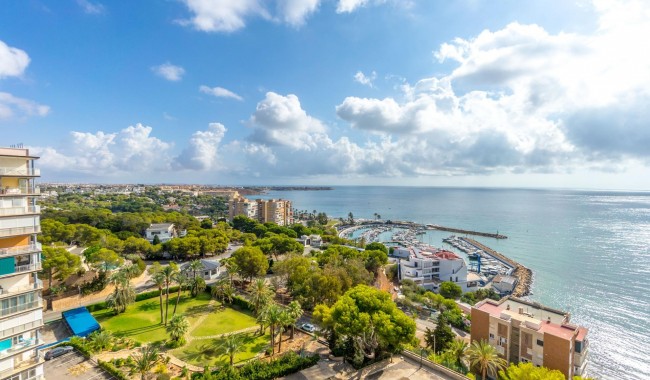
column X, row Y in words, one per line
column 589, row 251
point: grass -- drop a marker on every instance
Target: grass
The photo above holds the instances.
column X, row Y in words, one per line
column 202, row 352
column 141, row 321
column 224, row 320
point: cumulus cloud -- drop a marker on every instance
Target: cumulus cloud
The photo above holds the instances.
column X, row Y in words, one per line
column 220, row 92
column 12, row 106
column 295, row 12
column 349, row 6
column 222, row 15
column 91, row 8
column 13, row 61
column 202, row 151
column 366, row 80
column 168, row 71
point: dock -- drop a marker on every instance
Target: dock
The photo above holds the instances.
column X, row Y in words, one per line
column 466, row 232
column 524, row 275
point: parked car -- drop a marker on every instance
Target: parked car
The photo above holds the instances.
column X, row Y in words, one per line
column 58, row 351
column 308, row 327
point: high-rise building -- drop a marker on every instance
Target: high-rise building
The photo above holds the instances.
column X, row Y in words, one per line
column 21, row 307
column 524, row 331
column 278, row 211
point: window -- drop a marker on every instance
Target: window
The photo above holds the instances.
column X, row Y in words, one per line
column 491, row 336
column 578, row 346
column 540, row 342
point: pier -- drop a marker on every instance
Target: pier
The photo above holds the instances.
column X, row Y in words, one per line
column 466, row 232
column 523, row 274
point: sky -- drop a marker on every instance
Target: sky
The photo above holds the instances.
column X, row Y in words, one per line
column 499, row 93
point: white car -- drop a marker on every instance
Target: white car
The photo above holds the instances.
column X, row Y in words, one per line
column 308, row 327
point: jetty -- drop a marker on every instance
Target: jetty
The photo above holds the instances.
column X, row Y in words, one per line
column 466, row 232
column 524, row 275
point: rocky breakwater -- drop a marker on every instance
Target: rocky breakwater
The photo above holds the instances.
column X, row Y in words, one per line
column 524, row 275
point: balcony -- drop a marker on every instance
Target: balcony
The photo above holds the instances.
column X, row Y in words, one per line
column 21, row 328
column 19, row 191
column 21, row 250
column 5, row 232
column 4, row 293
column 18, row 172
column 20, row 308
column 23, row 210
column 22, row 366
column 21, row 347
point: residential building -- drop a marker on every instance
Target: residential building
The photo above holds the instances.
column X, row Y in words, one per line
column 430, row 267
column 278, row 211
column 21, row 307
column 310, row 241
column 210, row 270
column 164, row 231
column 524, row 331
column 503, row 284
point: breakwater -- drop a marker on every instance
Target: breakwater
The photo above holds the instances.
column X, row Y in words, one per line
column 466, row 232
column 524, row 275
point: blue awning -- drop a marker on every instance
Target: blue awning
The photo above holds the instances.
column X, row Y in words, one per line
column 80, row 321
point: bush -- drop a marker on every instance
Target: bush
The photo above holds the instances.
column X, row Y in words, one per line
column 114, row 371
column 97, row 306
column 153, row 294
column 285, row 365
column 79, row 345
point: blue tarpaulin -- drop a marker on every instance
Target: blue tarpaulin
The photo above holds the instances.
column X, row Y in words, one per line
column 80, row 321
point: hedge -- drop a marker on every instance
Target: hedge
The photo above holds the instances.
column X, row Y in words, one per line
column 285, row 365
column 83, row 350
column 139, row 297
column 113, row 370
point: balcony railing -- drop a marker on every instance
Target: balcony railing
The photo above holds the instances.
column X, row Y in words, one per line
column 22, row 346
column 20, row 210
column 20, row 191
column 20, row 308
column 19, row 231
column 21, row 249
column 20, row 171
column 20, row 368
column 4, row 293
column 21, row 328
column 27, row 267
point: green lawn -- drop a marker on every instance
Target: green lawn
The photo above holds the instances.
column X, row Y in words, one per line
column 141, row 321
column 202, row 352
column 224, row 320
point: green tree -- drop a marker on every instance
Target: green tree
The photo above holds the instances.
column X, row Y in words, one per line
column 156, row 240
column 450, row 290
column 123, row 294
column 101, row 340
column 59, row 263
column 182, row 281
column 259, row 294
column 376, row 246
column 177, row 328
column 444, row 335
column 105, row 259
column 206, row 223
column 250, row 261
column 484, row 358
column 370, row 319
column 231, row 345
column 158, row 278
column 169, row 273
column 295, row 311
column 144, row 360
column 528, row 371
column 223, row 290
column 458, row 349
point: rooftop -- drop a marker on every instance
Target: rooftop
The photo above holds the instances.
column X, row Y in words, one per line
column 160, row 226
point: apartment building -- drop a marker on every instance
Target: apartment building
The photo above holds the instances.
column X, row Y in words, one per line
column 21, row 307
column 278, row 211
column 524, row 331
column 430, row 267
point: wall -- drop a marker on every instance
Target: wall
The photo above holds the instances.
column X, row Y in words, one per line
column 556, row 353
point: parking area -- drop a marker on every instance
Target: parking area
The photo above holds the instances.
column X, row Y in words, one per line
column 74, row 366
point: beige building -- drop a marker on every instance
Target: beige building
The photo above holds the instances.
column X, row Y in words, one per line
column 523, row 331
column 21, row 306
column 278, row 211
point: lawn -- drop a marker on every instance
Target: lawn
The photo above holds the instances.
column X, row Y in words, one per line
column 141, row 321
column 224, row 320
column 202, row 352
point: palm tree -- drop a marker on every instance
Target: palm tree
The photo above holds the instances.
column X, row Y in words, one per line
column 295, row 311
column 158, row 278
column 285, row 320
column 485, row 358
column 231, row 268
column 144, row 361
column 123, row 295
column 458, row 348
column 232, row 344
column 259, row 294
column 198, row 285
column 169, row 273
column 177, row 327
column 101, row 340
column 222, row 290
column 182, row 281
column 273, row 316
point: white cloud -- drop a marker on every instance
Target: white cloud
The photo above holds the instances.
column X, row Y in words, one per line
column 168, row 71
column 203, row 149
column 13, row 61
column 220, row 92
column 349, row 6
column 295, row 12
column 11, row 106
column 366, row 80
column 91, row 8
column 222, row 15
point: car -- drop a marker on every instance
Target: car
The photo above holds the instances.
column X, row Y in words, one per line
column 308, row 327
column 58, row 351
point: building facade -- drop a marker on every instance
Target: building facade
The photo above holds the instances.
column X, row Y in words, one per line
column 429, row 268
column 278, row 211
column 524, row 331
column 164, row 231
column 21, row 306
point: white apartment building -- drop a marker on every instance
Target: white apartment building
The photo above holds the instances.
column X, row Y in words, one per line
column 164, row 231
column 278, row 211
column 21, row 307
column 430, row 267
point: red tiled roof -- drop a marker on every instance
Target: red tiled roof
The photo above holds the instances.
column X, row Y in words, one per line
column 446, row 255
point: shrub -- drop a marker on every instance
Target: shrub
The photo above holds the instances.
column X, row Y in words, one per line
column 113, row 370
column 285, row 365
column 79, row 344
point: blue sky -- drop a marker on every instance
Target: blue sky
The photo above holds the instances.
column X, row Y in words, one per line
column 467, row 93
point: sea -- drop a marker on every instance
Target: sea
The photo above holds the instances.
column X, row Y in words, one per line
column 589, row 251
